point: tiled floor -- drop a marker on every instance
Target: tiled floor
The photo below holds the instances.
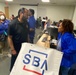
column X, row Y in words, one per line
column 5, row 61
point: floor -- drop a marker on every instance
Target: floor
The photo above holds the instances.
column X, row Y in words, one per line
column 4, row 66
column 5, row 60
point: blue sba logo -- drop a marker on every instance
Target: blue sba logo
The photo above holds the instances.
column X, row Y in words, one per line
column 36, row 60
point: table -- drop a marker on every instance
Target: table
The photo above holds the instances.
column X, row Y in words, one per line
column 44, row 41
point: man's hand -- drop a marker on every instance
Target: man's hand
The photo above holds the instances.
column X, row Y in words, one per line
column 13, row 52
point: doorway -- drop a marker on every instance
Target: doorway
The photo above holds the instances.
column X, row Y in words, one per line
column 7, row 12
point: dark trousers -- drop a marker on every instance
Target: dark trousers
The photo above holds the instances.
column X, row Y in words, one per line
column 31, row 40
column 13, row 58
column 72, row 70
column 63, row 70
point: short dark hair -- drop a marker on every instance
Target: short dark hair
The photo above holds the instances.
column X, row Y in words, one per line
column 32, row 11
column 67, row 25
column 21, row 11
column 60, row 21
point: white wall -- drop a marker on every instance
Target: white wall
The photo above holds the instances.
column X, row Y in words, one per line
column 2, row 5
column 13, row 9
column 55, row 13
column 74, row 18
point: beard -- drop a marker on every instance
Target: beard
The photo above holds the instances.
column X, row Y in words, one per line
column 24, row 19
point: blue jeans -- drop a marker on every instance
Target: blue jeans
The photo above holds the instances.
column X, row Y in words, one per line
column 63, row 70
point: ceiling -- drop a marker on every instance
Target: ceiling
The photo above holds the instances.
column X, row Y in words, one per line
column 39, row 2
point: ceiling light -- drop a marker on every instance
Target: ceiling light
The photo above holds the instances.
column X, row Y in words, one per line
column 9, row 0
column 45, row 0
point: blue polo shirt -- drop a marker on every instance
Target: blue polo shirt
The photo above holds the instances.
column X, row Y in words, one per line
column 32, row 23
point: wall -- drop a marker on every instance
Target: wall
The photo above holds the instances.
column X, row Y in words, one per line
column 55, row 13
column 2, row 5
column 13, row 9
column 74, row 18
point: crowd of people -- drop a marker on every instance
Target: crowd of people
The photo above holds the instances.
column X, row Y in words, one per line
column 21, row 29
column 43, row 22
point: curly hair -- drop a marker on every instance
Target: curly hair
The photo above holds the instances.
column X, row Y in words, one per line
column 67, row 25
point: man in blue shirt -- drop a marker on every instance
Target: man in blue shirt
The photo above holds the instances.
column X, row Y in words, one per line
column 32, row 23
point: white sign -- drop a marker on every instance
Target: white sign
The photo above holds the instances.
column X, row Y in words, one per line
column 35, row 60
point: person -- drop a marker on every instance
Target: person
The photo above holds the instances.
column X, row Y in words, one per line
column 48, row 23
column 3, row 24
column 46, row 19
column 43, row 22
column 12, row 17
column 3, row 28
column 1, row 14
column 60, row 21
column 18, row 33
column 32, row 23
column 67, row 45
column 38, row 22
column 3, row 31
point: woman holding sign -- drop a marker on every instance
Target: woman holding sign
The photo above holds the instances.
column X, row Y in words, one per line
column 67, row 45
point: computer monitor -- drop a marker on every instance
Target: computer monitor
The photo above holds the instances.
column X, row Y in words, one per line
column 74, row 31
column 53, row 32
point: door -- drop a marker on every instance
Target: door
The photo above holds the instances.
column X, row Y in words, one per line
column 7, row 12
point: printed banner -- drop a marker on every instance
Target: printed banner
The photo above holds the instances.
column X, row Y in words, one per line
column 36, row 60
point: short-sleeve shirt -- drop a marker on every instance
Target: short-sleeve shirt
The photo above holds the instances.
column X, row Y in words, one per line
column 19, row 33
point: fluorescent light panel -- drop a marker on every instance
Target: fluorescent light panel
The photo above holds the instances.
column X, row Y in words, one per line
column 45, row 0
column 9, row 0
